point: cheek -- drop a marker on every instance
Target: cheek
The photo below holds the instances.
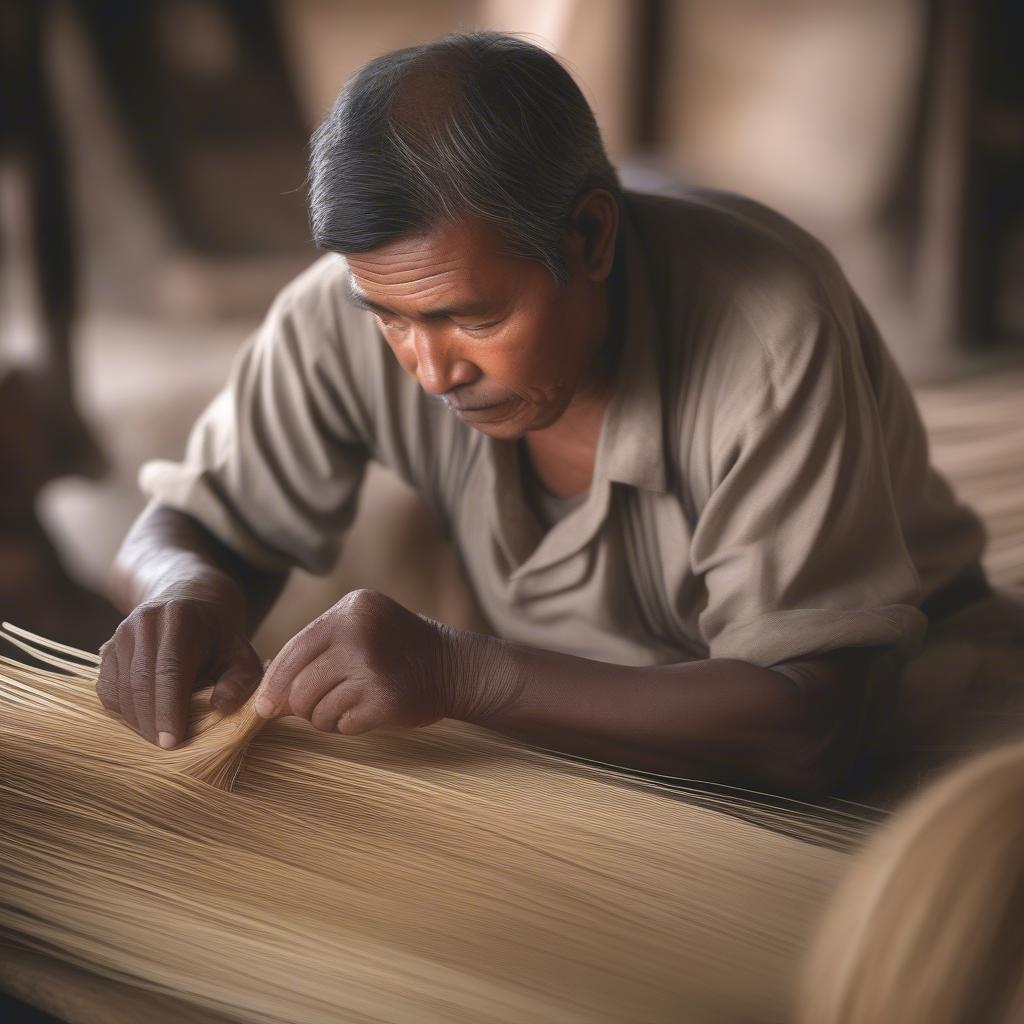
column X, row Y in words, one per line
column 532, row 358
column 525, row 373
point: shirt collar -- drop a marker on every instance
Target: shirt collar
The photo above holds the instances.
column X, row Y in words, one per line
column 630, row 448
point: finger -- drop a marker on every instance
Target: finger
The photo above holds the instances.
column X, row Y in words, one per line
column 237, row 682
column 332, row 706
column 141, row 681
column 106, row 683
column 304, row 647
column 125, row 653
column 312, row 683
column 365, row 716
column 174, row 677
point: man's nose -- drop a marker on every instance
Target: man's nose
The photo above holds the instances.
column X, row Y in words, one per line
column 439, row 369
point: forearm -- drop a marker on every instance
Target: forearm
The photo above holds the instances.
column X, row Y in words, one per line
column 716, row 719
column 166, row 552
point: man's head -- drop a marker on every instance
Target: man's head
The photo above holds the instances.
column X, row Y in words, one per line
column 466, row 183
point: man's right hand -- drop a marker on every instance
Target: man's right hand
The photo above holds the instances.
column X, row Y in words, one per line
column 170, row 645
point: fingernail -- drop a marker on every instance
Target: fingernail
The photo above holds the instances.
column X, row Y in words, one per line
column 265, row 707
column 167, row 740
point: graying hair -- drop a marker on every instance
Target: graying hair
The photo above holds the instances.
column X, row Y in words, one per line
column 482, row 124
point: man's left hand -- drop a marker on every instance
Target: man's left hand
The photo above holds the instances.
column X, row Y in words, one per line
column 368, row 663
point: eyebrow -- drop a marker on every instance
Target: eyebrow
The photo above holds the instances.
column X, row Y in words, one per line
column 359, row 298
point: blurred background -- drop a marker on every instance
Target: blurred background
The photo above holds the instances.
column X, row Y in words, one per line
column 151, row 204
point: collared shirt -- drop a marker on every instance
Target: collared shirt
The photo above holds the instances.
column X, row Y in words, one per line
column 761, row 491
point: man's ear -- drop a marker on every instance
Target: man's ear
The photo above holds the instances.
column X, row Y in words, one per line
column 593, row 228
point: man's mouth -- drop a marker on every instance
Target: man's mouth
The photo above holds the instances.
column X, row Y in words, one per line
column 471, row 411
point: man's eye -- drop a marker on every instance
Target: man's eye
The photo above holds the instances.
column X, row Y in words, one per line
column 387, row 323
column 478, row 328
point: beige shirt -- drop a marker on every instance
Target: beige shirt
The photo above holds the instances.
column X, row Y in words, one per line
column 762, row 487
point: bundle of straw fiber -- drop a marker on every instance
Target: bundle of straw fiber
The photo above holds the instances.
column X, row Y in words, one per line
column 279, row 874
column 439, row 875
column 928, row 926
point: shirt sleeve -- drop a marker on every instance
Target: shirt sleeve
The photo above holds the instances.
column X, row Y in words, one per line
column 274, row 465
column 799, row 546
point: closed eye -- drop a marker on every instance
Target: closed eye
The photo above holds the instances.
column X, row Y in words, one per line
column 391, row 323
column 388, row 321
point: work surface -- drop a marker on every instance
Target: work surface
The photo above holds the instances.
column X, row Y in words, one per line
column 977, row 429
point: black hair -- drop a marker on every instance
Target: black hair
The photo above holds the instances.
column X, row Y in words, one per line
column 480, row 124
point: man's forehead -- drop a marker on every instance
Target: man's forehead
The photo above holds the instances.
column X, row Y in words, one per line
column 417, row 271
column 457, row 268
column 426, row 281
column 447, row 250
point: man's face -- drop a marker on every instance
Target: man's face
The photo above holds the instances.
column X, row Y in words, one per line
column 491, row 334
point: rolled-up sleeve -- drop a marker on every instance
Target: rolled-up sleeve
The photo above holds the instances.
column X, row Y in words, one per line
column 799, row 546
column 274, row 465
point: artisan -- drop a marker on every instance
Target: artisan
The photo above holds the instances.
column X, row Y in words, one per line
column 688, row 486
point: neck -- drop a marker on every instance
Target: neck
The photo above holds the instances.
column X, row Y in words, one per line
column 564, row 454
column 595, row 388
column 610, row 328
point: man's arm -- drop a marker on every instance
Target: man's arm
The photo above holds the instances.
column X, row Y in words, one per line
column 274, row 465
column 166, row 550
column 192, row 603
column 795, row 727
column 368, row 663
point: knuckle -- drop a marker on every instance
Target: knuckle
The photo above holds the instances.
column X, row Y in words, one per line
column 145, row 612
column 362, row 602
column 358, row 720
column 168, row 671
column 358, row 597
column 322, row 723
column 304, row 697
column 323, row 716
column 137, row 627
column 300, row 707
column 141, row 673
column 171, row 696
column 176, row 610
column 172, row 610
column 363, row 614
column 140, row 685
column 281, row 672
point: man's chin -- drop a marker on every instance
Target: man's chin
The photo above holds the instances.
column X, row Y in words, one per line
column 508, row 421
column 500, row 430
column 503, row 421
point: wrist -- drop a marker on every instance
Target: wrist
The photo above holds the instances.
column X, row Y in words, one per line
column 481, row 674
column 207, row 585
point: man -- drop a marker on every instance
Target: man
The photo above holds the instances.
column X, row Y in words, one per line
column 687, row 484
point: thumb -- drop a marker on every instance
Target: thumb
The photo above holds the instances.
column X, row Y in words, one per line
column 240, row 676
